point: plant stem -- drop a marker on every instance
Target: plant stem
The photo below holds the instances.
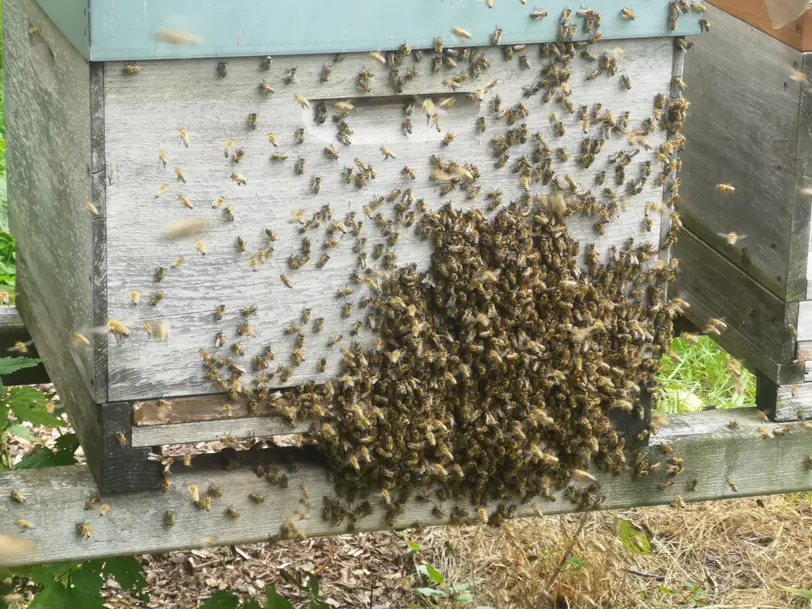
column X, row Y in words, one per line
column 568, row 551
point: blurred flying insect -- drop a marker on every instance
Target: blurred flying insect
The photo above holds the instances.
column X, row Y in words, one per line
column 461, row 33
column 725, row 189
column 302, row 101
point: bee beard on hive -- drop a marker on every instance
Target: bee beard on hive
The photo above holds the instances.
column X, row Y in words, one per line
column 478, row 384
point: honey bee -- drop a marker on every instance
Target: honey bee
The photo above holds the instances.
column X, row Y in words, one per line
column 81, row 338
column 17, row 497
column 157, row 297
column 117, row 327
column 318, row 324
column 286, row 281
column 461, row 33
column 103, row 510
column 538, row 15
column 302, row 101
column 300, row 166
column 449, row 137
column 239, row 179
column 627, row 14
column 222, row 68
column 183, row 136
column 122, row 439
column 378, row 57
column 627, row 81
column 169, row 518
column 326, row 72
column 264, row 87
column 94, row 211
column 290, row 76
column 725, row 189
column 26, row 524
column 732, row 485
column 84, row 529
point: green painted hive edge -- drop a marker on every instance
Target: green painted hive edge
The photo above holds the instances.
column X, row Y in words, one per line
column 128, row 30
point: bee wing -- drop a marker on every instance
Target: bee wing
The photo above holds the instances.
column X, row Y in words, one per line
column 17, row 348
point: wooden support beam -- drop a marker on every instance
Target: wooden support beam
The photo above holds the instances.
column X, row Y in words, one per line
column 55, row 498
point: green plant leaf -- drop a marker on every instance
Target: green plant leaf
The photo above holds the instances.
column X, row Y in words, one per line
column 222, row 599
column 28, row 404
column 37, row 458
column 21, row 431
column 126, row 570
column 289, row 577
column 53, row 596
column 67, row 442
column 250, row 603
column 633, row 538
column 312, row 585
column 434, row 574
column 9, row 365
column 465, row 597
column 318, row 605
column 86, row 584
column 275, row 600
column 807, row 594
column 430, row 592
column 414, row 548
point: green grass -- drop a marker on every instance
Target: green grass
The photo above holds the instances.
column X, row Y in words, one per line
column 695, row 377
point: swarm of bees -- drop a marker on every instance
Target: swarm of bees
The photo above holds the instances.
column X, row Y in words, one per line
column 493, row 372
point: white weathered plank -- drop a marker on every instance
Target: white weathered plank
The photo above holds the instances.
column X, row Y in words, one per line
column 143, row 114
column 805, row 321
column 794, row 402
column 55, row 497
column 206, row 431
column 47, row 91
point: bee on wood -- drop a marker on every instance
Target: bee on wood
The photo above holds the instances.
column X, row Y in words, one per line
column 318, row 324
column 183, row 136
column 84, row 529
column 449, row 137
column 222, row 69
column 264, row 87
column 17, row 497
column 732, row 485
column 286, row 281
column 117, row 327
column 94, row 211
column 290, row 76
column 300, row 166
column 302, row 101
column 496, row 37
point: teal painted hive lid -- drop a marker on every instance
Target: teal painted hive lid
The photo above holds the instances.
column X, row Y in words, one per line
column 112, row 30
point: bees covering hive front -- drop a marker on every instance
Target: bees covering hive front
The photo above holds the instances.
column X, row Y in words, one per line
column 453, row 259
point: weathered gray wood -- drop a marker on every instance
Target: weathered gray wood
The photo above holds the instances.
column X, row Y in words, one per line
column 735, row 343
column 746, row 306
column 744, row 130
column 83, row 412
column 144, row 113
column 211, row 407
column 47, row 92
column 793, row 402
column 805, row 321
column 801, row 236
column 205, row 431
column 125, row 466
column 713, row 453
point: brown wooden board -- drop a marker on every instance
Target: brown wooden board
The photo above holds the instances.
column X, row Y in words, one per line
column 797, row 34
column 743, row 130
column 713, row 454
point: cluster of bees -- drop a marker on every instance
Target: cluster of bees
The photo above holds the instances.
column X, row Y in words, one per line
column 491, row 374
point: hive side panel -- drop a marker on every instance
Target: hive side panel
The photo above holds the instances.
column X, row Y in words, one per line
column 797, row 34
column 48, row 117
column 125, row 31
column 144, row 113
column 83, row 412
column 743, row 131
column 71, row 17
column 730, row 294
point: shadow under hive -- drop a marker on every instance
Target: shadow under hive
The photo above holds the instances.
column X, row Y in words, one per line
column 463, row 242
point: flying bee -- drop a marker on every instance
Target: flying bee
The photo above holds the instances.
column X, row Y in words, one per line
column 725, row 189
column 302, row 101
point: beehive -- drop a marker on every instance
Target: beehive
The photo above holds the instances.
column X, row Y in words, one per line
column 745, row 256
column 232, row 127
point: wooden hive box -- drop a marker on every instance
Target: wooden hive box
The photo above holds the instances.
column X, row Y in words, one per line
column 745, row 256
column 103, row 108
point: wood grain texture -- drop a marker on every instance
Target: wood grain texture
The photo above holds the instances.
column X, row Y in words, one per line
column 47, row 93
column 144, row 113
column 713, row 454
column 83, row 412
column 797, row 34
column 198, row 408
column 215, row 430
column 801, row 203
column 735, row 343
column 793, row 402
column 748, row 308
column 750, row 107
column 125, row 467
